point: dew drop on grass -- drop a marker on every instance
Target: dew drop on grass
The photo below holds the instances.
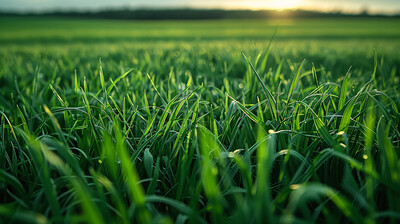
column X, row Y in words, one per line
column 294, row 186
column 340, row 133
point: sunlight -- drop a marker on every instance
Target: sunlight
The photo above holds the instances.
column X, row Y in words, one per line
column 284, row 4
column 274, row 4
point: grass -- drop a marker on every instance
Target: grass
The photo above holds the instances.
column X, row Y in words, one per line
column 216, row 130
column 53, row 30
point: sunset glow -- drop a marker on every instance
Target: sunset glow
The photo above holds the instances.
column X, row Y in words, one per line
column 391, row 7
column 284, row 4
column 274, row 4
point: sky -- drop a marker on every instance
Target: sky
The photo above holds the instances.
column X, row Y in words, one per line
column 373, row 6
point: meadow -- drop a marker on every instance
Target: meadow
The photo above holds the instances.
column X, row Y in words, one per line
column 228, row 121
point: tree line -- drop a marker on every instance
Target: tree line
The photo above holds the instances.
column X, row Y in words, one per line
column 192, row 14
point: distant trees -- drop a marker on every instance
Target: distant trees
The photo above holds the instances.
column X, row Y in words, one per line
column 192, row 14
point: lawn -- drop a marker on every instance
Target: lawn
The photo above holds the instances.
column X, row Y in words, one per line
column 107, row 121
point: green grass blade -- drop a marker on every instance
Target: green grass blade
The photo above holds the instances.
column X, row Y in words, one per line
column 295, row 80
column 262, row 201
column 343, row 90
column 132, row 179
column 113, row 83
column 271, row 100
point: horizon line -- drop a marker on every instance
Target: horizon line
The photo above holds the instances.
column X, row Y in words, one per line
column 364, row 10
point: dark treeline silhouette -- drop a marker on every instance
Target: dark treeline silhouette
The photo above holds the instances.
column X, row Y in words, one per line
column 191, row 14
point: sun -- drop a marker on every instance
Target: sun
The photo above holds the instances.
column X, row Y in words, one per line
column 284, row 4
column 274, row 4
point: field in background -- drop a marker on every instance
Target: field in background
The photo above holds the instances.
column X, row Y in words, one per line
column 317, row 40
column 56, row 30
column 90, row 108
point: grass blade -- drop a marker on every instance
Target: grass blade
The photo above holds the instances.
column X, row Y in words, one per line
column 271, row 100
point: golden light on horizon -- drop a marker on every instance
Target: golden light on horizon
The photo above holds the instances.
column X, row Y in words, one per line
column 274, row 4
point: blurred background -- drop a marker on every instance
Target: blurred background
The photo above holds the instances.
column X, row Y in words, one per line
column 333, row 35
column 349, row 6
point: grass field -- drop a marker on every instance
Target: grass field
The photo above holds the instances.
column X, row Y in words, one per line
column 199, row 121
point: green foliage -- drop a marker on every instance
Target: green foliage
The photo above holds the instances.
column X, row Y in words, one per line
column 189, row 132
